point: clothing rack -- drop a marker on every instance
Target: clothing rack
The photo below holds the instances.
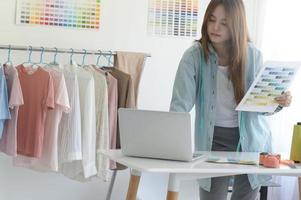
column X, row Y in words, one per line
column 60, row 50
column 69, row 51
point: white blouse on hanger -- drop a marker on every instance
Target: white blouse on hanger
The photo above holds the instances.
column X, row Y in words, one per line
column 70, row 139
column 81, row 170
column 102, row 122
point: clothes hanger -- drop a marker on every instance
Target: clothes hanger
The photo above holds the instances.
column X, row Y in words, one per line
column 8, row 62
column 109, row 60
column 29, row 62
column 71, row 56
column 99, row 66
column 84, row 57
column 97, row 62
column 54, row 62
column 55, row 54
column 108, row 68
column 38, row 64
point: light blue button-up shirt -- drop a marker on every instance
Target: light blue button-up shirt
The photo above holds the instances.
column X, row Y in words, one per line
column 4, row 110
column 195, row 85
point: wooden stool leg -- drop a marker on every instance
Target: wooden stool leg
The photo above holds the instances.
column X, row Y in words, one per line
column 133, row 187
column 172, row 195
column 299, row 180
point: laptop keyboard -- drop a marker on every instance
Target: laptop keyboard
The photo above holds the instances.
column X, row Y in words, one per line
column 197, row 154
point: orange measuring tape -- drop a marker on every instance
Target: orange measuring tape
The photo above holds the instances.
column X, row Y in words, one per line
column 274, row 160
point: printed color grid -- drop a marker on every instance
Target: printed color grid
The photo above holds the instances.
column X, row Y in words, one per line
column 273, row 82
column 173, row 17
column 84, row 14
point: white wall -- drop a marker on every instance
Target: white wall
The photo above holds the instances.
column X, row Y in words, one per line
column 123, row 27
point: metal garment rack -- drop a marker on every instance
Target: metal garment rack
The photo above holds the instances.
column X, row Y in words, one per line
column 69, row 51
column 60, row 50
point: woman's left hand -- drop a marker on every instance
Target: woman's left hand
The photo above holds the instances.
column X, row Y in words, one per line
column 285, row 99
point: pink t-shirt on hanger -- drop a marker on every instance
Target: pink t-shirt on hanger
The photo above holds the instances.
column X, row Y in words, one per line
column 49, row 158
column 50, row 148
column 8, row 142
column 38, row 96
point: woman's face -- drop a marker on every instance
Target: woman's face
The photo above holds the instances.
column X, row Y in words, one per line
column 217, row 27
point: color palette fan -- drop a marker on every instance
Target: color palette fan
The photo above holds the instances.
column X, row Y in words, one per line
column 83, row 14
column 173, row 17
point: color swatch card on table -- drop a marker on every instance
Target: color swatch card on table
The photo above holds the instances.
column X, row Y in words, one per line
column 83, row 14
column 273, row 79
column 173, row 18
column 232, row 161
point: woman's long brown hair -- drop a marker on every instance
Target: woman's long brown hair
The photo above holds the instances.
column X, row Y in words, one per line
column 238, row 44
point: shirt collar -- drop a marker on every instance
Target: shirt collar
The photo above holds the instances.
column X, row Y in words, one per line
column 211, row 49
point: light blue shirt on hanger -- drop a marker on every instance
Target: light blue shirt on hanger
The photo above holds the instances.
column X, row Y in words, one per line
column 4, row 109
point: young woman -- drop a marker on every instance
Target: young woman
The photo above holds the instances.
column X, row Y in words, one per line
column 214, row 75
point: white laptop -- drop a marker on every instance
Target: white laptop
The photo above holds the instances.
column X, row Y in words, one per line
column 156, row 134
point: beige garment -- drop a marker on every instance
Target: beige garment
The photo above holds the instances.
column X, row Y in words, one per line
column 126, row 97
column 125, row 94
column 133, row 64
column 112, row 85
column 113, row 106
column 125, row 100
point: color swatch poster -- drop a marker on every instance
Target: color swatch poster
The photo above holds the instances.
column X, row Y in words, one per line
column 274, row 79
column 173, row 18
column 83, row 14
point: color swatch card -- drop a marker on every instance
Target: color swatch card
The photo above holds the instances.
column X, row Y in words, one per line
column 232, row 161
column 274, row 79
column 83, row 14
column 173, row 18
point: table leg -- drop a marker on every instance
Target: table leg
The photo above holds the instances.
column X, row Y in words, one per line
column 299, row 180
column 172, row 195
column 263, row 193
column 173, row 187
column 133, row 185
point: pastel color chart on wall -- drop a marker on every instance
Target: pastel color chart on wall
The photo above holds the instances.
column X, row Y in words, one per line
column 83, row 14
column 173, row 17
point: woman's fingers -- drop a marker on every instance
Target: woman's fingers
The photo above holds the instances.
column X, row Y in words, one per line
column 285, row 99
